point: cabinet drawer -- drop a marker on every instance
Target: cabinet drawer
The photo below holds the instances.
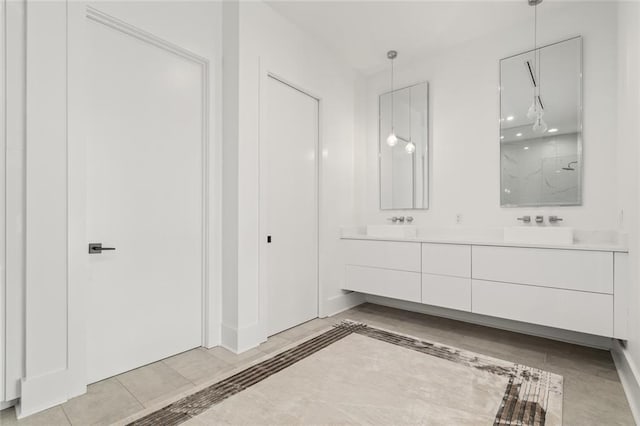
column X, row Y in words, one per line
column 565, row 269
column 448, row 292
column 570, row 310
column 446, row 259
column 383, row 254
column 383, row 282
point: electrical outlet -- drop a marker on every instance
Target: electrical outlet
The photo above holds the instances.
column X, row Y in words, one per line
column 459, row 218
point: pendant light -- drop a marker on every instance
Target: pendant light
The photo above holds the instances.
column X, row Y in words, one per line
column 410, row 147
column 392, row 139
column 539, row 125
column 536, row 110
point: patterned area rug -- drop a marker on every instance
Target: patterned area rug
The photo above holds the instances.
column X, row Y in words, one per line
column 357, row 374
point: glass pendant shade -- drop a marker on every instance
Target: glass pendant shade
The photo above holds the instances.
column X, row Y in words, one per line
column 540, row 126
column 410, row 148
column 392, row 139
column 533, row 111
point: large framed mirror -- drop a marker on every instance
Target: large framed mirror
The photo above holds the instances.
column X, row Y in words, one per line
column 541, row 126
column 404, row 162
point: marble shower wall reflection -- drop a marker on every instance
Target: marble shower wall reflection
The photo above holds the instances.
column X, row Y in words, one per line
column 542, row 171
column 542, row 167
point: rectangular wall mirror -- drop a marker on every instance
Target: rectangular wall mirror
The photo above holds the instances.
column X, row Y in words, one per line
column 541, row 126
column 404, row 166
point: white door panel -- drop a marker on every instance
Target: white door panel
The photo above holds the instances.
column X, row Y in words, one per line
column 290, row 183
column 144, row 197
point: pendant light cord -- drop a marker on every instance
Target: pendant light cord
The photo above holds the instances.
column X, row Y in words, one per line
column 410, row 114
column 538, row 61
column 392, row 100
column 535, row 53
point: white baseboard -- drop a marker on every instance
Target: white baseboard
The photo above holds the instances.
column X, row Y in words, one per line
column 515, row 326
column 214, row 335
column 342, row 302
column 40, row 393
column 629, row 377
column 228, row 337
column 241, row 339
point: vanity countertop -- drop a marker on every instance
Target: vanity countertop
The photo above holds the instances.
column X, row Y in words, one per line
column 491, row 239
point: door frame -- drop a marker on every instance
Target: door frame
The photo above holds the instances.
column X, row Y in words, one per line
column 267, row 72
column 78, row 266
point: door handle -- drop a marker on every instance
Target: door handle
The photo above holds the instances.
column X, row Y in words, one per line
column 96, row 248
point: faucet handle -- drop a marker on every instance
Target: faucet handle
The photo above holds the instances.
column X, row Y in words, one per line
column 525, row 219
column 539, row 219
column 555, row 219
column 401, row 219
column 393, row 219
column 409, row 219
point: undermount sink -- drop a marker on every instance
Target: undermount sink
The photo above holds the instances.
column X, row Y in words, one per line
column 539, row 235
column 392, row 231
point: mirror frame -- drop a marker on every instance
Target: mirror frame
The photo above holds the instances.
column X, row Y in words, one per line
column 580, row 142
column 428, row 149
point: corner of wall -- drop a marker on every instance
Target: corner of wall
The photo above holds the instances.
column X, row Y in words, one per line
column 629, row 377
column 627, row 357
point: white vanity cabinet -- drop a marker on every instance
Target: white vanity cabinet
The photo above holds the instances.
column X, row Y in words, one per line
column 383, row 268
column 568, row 289
column 583, row 290
column 446, row 276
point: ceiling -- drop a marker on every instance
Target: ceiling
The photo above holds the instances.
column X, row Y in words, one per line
column 363, row 31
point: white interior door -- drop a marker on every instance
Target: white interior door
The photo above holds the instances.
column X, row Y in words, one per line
column 290, row 207
column 144, row 189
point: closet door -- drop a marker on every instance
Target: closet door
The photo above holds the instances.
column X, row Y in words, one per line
column 289, row 181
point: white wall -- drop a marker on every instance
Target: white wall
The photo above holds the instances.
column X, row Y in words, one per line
column 14, row 202
column 230, row 46
column 3, row 144
column 269, row 43
column 46, row 291
column 464, row 108
column 629, row 185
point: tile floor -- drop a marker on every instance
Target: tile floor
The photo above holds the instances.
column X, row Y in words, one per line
column 593, row 394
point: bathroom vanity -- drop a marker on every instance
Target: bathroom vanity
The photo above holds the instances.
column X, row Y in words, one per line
column 580, row 287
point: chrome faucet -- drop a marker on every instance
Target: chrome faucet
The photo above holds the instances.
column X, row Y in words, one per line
column 555, row 219
column 525, row 219
column 400, row 219
column 539, row 219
